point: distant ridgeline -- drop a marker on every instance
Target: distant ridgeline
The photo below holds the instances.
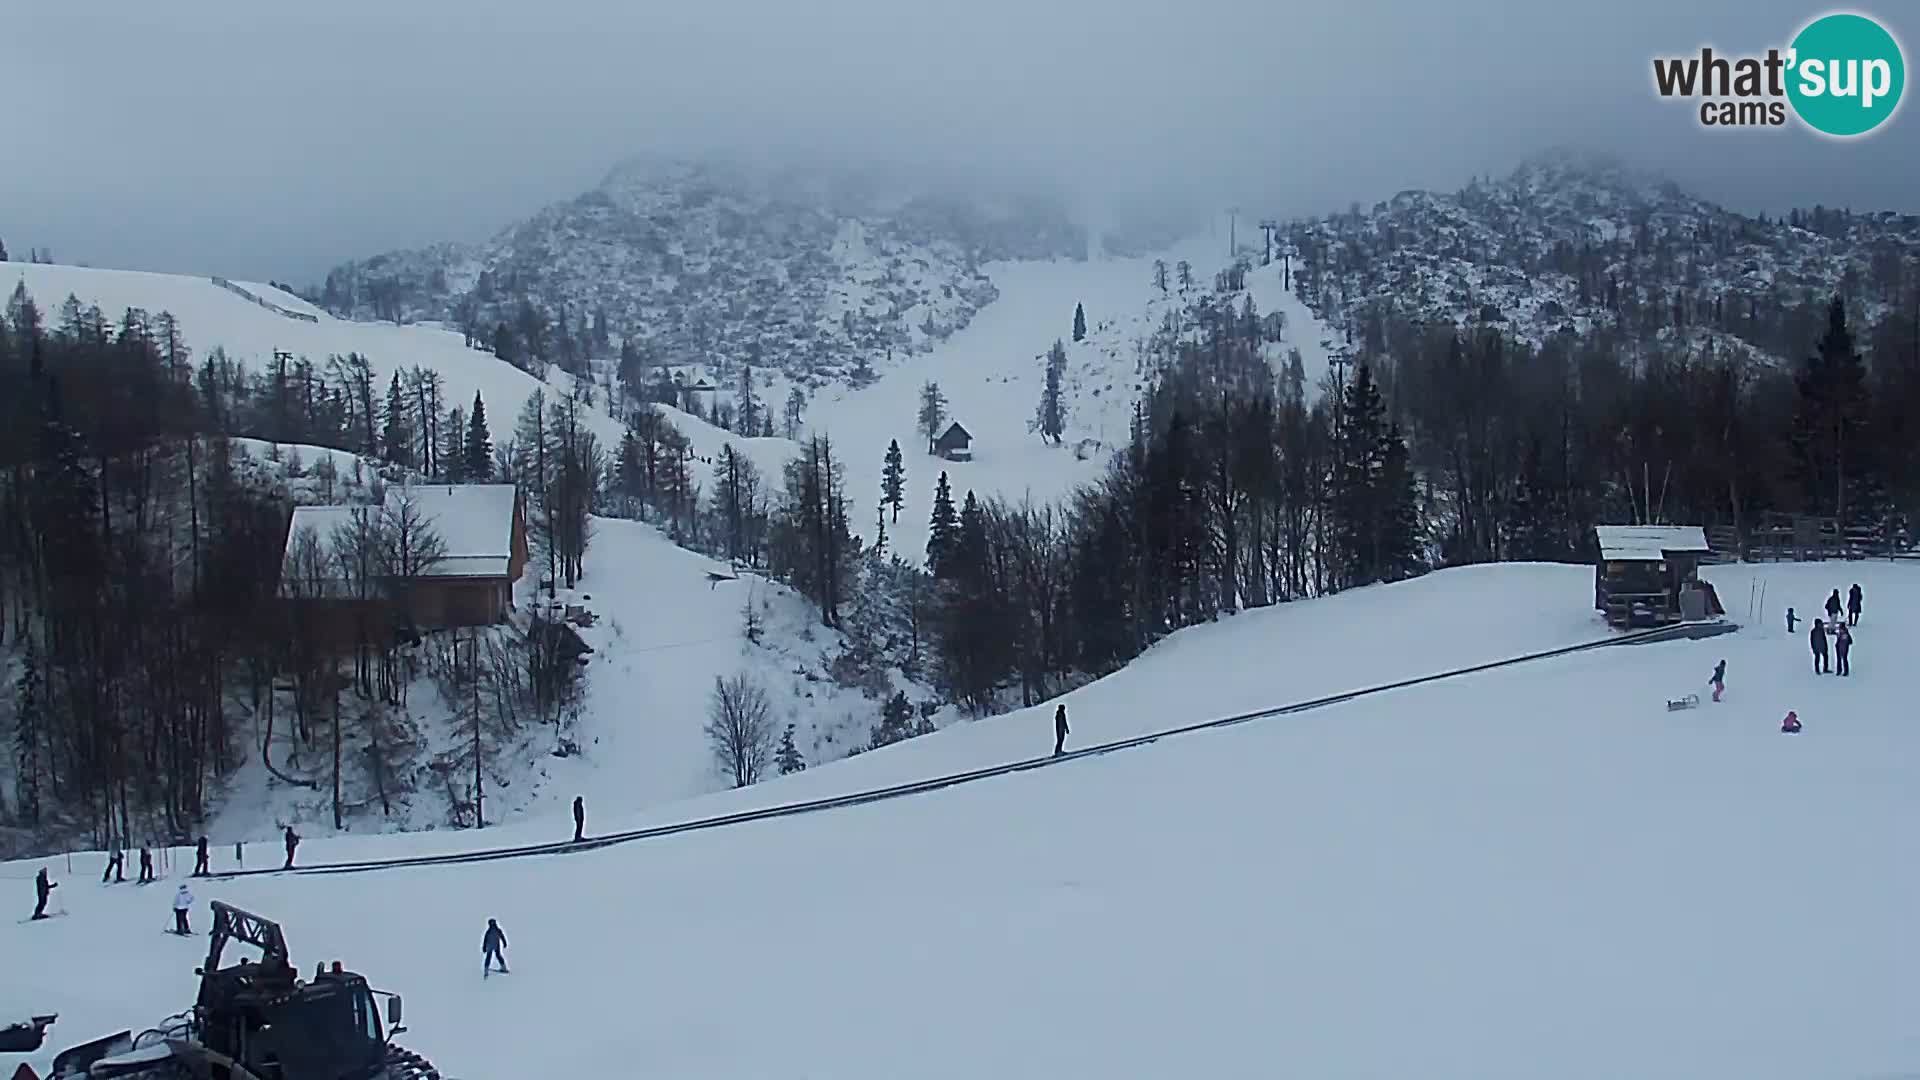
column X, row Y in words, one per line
column 262, row 301
column 677, row 263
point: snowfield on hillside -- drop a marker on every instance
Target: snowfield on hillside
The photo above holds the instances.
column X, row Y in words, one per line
column 1532, row 871
column 213, row 317
column 992, row 373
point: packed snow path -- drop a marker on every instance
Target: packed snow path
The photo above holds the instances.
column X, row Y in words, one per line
column 937, row 783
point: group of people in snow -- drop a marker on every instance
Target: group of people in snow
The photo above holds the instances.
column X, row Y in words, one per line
column 1833, row 631
column 182, row 898
column 1830, row 636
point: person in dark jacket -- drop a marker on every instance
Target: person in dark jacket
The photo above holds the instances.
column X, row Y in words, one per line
column 1817, row 637
column 293, row 841
column 1791, row 725
column 1853, row 605
column 42, row 889
column 579, row 819
column 493, row 946
column 1719, row 680
column 200, row 859
column 115, row 862
column 1791, row 619
column 1833, row 606
column 146, row 866
column 1059, row 730
column 1842, row 645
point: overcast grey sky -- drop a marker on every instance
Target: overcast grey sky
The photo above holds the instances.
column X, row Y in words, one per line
column 241, row 137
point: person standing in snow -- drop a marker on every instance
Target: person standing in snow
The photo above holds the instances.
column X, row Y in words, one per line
column 146, row 866
column 1791, row 724
column 42, row 888
column 200, row 859
column 1817, row 637
column 579, row 819
column 293, row 841
column 115, row 861
column 1791, row 619
column 1833, row 606
column 182, row 903
column 1842, row 645
column 1719, row 680
column 1853, row 604
column 493, row 946
column 1059, row 730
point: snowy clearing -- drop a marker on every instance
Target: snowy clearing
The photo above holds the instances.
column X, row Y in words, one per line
column 1536, row 871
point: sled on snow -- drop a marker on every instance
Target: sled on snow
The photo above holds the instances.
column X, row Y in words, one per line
column 1688, row 702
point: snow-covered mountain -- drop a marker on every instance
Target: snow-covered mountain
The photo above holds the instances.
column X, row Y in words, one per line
column 1577, row 242
column 806, row 271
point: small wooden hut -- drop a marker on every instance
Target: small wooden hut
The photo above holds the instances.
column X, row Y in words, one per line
column 1644, row 570
column 954, row 444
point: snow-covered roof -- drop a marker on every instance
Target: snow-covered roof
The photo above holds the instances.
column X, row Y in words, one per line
column 1648, row 543
column 473, row 521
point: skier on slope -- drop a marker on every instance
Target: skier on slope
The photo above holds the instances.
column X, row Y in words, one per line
column 115, row 862
column 1719, row 680
column 493, row 946
column 579, row 818
column 182, row 903
column 200, row 859
column 293, row 841
column 146, row 866
column 1853, row 604
column 1817, row 637
column 1059, row 730
column 42, row 889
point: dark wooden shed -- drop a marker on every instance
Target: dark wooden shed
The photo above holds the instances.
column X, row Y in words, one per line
column 1643, row 570
column 953, row 443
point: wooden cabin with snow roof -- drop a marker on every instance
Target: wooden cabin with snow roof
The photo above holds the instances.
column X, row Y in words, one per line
column 1649, row 575
column 955, row 443
column 482, row 536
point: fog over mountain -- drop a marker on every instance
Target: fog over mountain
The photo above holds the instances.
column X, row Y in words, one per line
column 217, row 136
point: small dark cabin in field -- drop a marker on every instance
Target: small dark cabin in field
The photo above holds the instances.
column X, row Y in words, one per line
column 953, row 443
column 1644, row 572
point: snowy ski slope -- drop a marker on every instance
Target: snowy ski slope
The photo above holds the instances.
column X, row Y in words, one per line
column 211, row 316
column 992, row 373
column 1532, row 872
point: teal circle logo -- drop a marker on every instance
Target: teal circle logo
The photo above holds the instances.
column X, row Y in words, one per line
column 1846, row 76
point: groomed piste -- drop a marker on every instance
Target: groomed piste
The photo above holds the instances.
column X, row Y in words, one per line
column 1531, row 869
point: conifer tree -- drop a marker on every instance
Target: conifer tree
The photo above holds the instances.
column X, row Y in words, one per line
column 942, row 530
column 1049, row 418
column 1359, row 505
column 896, row 722
column 796, row 411
column 893, row 480
column 452, row 455
column 933, row 412
column 1827, row 422
column 479, row 463
column 1079, row 323
column 396, row 434
column 747, row 407
column 787, row 758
